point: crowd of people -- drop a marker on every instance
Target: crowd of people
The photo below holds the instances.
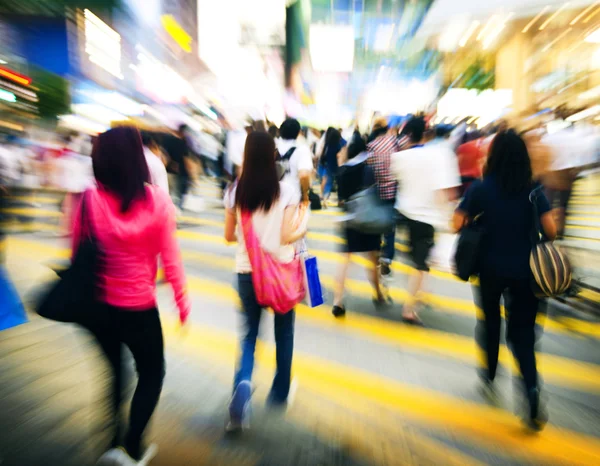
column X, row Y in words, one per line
column 432, row 179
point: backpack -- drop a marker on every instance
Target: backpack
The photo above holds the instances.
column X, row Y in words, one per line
column 283, row 163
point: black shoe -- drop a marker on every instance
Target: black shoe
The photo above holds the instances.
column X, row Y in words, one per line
column 538, row 416
column 338, row 311
column 384, row 269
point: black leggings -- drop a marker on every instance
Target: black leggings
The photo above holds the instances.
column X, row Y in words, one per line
column 521, row 309
column 142, row 333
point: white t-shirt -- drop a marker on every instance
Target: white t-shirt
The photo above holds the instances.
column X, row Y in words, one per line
column 158, row 172
column 421, row 173
column 301, row 160
column 267, row 226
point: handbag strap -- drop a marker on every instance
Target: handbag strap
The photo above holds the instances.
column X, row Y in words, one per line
column 250, row 239
column 537, row 234
column 87, row 224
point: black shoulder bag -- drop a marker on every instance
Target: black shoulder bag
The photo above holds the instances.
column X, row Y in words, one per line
column 71, row 299
column 467, row 257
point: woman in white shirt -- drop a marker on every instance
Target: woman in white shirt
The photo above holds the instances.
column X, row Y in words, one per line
column 273, row 206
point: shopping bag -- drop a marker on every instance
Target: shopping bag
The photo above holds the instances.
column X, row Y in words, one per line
column 312, row 282
column 12, row 312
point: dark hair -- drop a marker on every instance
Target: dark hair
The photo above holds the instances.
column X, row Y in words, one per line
column 333, row 137
column 119, row 164
column 356, row 146
column 414, row 129
column 258, row 186
column 289, row 129
column 273, row 131
column 148, row 138
column 509, row 161
column 378, row 132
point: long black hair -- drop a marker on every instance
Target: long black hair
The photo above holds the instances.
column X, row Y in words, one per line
column 258, row 186
column 509, row 162
column 120, row 165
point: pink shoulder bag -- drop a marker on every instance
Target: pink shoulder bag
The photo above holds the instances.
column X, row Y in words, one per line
column 276, row 285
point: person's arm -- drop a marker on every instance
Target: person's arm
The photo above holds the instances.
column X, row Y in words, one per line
column 305, row 168
column 469, row 208
column 549, row 225
column 547, row 219
column 292, row 228
column 172, row 263
column 230, row 226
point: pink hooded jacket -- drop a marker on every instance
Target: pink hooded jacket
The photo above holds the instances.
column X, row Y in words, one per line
column 132, row 242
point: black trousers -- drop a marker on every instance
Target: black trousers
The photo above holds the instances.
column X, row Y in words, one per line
column 521, row 307
column 142, row 333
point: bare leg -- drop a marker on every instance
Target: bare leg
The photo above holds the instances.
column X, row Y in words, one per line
column 323, row 184
column 341, row 280
column 415, row 285
column 373, row 274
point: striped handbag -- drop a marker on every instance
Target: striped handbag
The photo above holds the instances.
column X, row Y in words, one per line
column 550, row 266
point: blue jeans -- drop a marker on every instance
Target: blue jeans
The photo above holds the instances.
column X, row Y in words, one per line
column 284, row 341
column 325, row 172
column 389, row 240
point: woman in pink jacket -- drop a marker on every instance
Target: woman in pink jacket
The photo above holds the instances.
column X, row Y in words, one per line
column 134, row 224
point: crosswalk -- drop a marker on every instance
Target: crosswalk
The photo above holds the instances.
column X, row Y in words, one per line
column 370, row 370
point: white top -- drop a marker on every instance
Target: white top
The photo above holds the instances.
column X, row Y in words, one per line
column 74, row 172
column 158, row 172
column 422, row 172
column 267, row 226
column 301, row 160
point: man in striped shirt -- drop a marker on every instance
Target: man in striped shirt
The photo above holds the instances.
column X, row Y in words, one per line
column 382, row 145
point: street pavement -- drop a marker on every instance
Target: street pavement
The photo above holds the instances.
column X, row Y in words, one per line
column 369, row 390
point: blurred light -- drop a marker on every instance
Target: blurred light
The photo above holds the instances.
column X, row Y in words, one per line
column 591, row 16
column 496, row 32
column 332, row 48
column 7, row 96
column 9, row 125
column 583, row 13
column 585, row 113
column 16, row 77
column 534, row 20
column 591, row 94
column 177, row 33
column 594, row 37
column 3, row 62
column 383, row 37
column 486, row 27
column 554, row 15
column 18, row 89
column 102, row 44
column 556, row 39
column 451, row 35
column 469, row 33
column 81, row 124
column 98, row 113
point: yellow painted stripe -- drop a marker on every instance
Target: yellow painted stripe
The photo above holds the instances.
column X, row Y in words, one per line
column 36, row 199
column 357, row 390
column 444, row 304
column 32, row 212
column 556, row 369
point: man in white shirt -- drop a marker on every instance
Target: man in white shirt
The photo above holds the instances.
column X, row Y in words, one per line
column 296, row 158
column 427, row 178
column 158, row 172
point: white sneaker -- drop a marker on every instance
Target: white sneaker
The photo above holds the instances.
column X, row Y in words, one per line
column 118, row 457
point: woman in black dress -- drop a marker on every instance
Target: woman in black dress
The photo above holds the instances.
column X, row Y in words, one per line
column 353, row 177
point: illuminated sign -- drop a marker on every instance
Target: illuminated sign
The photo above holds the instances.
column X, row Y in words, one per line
column 173, row 28
column 8, row 96
column 16, row 77
column 102, row 44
